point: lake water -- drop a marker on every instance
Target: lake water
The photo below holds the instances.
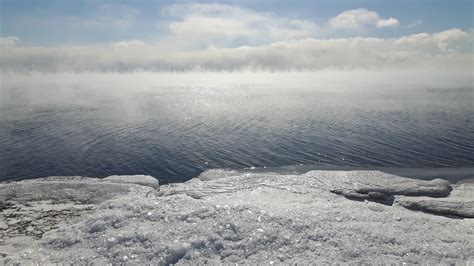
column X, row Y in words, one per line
column 174, row 126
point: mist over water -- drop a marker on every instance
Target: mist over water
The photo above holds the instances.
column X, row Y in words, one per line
column 174, row 126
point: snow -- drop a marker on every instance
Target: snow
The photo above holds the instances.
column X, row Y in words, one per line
column 244, row 218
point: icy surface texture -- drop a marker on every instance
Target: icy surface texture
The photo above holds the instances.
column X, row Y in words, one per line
column 459, row 203
column 256, row 218
column 30, row 208
column 144, row 180
column 74, row 188
column 381, row 187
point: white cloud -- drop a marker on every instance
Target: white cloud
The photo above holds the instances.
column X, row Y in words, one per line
column 227, row 25
column 354, row 19
column 415, row 22
column 415, row 51
column 224, row 37
column 391, row 22
column 444, row 38
column 9, row 41
column 437, row 41
column 414, row 39
column 359, row 18
column 131, row 43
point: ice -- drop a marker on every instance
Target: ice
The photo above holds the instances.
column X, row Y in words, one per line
column 379, row 186
column 144, row 180
column 257, row 218
column 32, row 207
column 74, row 188
column 216, row 174
column 459, row 203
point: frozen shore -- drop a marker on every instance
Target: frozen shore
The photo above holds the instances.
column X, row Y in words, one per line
column 232, row 217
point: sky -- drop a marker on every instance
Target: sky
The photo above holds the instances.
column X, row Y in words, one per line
column 92, row 35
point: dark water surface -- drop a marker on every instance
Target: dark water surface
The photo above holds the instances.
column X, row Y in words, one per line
column 175, row 127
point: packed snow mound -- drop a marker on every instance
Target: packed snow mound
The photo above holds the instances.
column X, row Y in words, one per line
column 262, row 218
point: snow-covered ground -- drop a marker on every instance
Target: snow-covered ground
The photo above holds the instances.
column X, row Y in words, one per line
column 235, row 217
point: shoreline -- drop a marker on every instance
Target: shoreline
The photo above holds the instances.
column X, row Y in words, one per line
column 452, row 174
